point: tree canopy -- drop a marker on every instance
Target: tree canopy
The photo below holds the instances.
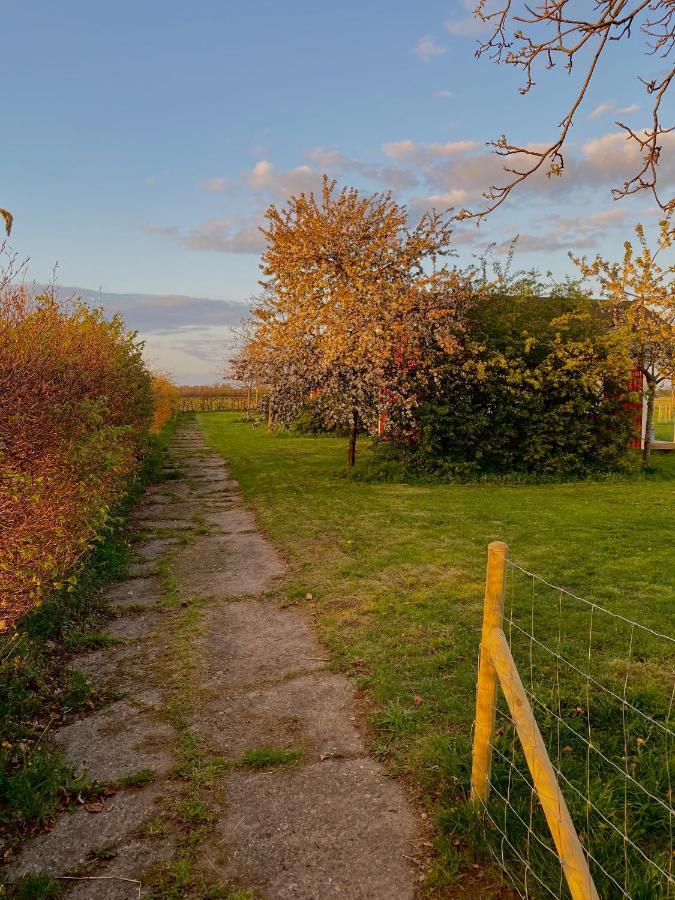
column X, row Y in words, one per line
column 640, row 296
column 353, row 297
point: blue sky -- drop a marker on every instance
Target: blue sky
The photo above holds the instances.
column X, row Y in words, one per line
column 143, row 141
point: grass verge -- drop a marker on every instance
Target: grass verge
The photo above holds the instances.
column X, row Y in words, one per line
column 394, row 575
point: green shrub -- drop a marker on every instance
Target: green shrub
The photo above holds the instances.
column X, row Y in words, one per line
column 538, row 386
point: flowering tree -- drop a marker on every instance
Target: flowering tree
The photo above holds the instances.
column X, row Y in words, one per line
column 352, row 300
column 640, row 295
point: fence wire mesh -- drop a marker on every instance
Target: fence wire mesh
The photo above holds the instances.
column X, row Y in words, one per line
column 602, row 688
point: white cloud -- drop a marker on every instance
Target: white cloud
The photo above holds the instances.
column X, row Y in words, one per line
column 446, row 169
column 452, row 174
column 426, row 48
column 615, row 214
column 609, row 106
column 191, row 355
column 444, row 93
column 615, row 157
column 447, row 200
column 264, row 177
column 225, row 240
column 160, row 312
column 450, row 198
column 465, row 23
column 327, row 158
column 563, row 233
column 337, row 165
column 226, row 234
column 420, row 154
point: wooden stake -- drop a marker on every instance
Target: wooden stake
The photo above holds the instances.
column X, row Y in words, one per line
column 486, row 689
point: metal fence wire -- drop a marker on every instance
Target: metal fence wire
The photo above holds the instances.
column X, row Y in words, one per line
column 602, row 688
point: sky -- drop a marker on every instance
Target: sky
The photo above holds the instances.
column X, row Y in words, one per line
column 143, row 140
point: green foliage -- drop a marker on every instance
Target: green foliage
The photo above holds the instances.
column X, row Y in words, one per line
column 539, row 385
column 38, row 887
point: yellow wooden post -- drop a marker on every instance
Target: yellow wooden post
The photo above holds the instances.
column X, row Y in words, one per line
column 486, row 689
column 562, row 828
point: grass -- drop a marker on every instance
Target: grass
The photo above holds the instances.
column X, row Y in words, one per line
column 664, row 431
column 396, row 573
column 271, row 757
column 38, row 887
column 138, row 779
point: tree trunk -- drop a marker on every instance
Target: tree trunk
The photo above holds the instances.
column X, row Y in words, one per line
column 351, row 450
column 649, row 424
column 270, row 415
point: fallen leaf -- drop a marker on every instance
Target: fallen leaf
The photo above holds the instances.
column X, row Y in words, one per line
column 94, row 806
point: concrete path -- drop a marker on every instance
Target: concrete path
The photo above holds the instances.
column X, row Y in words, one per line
column 233, row 762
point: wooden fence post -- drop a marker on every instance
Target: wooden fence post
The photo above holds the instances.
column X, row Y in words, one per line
column 486, row 689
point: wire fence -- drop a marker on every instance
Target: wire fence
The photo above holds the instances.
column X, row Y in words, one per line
column 602, row 689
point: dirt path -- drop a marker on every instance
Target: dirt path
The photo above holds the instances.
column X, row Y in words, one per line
column 235, row 766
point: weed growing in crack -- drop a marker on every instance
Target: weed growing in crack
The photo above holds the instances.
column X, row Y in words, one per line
column 137, row 779
column 269, row 757
column 38, row 887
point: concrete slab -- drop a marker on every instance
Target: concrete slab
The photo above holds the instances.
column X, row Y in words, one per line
column 333, row 829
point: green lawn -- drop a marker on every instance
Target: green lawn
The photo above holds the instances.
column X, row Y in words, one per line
column 664, row 431
column 395, row 573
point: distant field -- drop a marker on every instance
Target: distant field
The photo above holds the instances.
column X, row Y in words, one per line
column 395, row 573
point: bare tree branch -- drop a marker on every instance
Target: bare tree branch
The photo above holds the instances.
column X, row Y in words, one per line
column 547, row 33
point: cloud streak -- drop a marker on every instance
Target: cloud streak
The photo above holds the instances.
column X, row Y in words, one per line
column 160, row 312
column 227, row 234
